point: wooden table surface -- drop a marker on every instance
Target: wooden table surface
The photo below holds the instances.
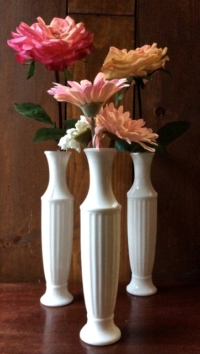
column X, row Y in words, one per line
column 167, row 322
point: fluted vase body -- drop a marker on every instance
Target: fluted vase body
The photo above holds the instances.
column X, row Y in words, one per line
column 100, row 250
column 57, row 205
column 142, row 226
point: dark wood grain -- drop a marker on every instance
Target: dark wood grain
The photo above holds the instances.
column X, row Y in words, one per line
column 168, row 322
column 102, row 7
column 175, row 24
column 23, row 167
column 107, row 31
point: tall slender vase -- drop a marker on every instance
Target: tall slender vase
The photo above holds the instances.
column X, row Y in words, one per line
column 57, row 231
column 142, row 226
column 100, row 250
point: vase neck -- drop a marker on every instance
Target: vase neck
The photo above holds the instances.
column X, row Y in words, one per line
column 142, row 168
column 57, row 163
column 100, row 168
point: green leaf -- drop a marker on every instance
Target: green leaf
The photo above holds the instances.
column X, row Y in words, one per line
column 70, row 123
column 122, row 145
column 166, row 71
column 159, row 149
column 139, row 79
column 117, row 98
column 135, row 147
column 31, row 70
column 34, row 111
column 120, row 95
column 49, row 134
column 171, row 131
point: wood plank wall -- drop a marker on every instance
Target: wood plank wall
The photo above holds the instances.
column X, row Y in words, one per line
column 24, row 171
column 175, row 24
column 107, row 24
column 23, row 167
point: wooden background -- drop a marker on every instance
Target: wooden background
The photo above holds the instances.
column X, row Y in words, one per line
column 23, row 166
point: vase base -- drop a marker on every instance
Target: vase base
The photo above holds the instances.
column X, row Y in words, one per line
column 56, row 296
column 100, row 332
column 141, row 286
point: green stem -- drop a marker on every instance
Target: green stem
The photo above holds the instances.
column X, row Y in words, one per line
column 139, row 97
column 60, row 120
column 93, row 130
column 91, row 110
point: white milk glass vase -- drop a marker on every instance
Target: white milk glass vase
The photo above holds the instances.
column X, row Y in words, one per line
column 142, row 226
column 100, row 250
column 57, row 206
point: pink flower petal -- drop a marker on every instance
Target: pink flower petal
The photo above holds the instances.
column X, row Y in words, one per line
column 57, row 45
column 120, row 124
column 98, row 92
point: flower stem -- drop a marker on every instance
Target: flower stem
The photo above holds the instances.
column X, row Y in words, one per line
column 59, row 103
column 93, row 130
column 91, row 110
column 139, row 98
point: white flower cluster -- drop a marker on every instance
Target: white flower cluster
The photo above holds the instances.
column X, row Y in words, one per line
column 68, row 141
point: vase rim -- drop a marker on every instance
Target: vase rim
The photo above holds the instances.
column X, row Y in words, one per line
column 144, row 152
column 55, row 151
column 100, row 149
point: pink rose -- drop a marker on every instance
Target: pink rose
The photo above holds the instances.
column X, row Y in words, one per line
column 57, row 45
column 138, row 62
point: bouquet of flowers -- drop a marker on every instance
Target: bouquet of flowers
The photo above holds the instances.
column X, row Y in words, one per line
column 58, row 46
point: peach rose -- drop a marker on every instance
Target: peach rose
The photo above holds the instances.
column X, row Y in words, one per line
column 57, row 45
column 138, row 62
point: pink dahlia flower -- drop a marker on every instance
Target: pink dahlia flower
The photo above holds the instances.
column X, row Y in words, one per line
column 119, row 123
column 86, row 95
column 57, row 45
